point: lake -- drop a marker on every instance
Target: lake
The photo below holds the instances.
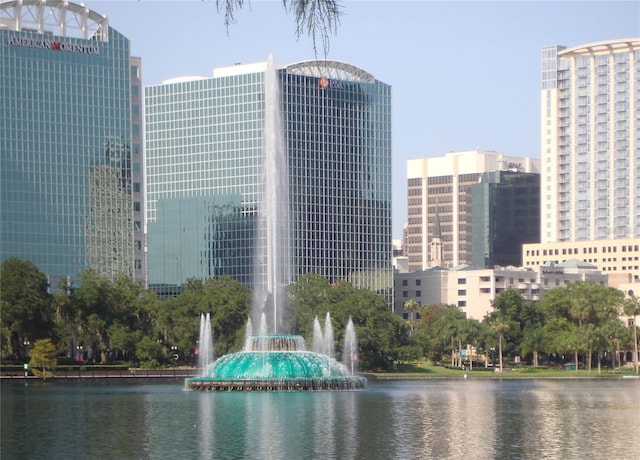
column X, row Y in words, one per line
column 398, row 419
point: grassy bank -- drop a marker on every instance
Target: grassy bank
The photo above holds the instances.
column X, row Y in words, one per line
column 414, row 371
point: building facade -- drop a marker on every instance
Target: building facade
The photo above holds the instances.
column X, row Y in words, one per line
column 590, row 138
column 439, row 191
column 67, row 175
column 620, row 259
column 505, row 214
column 473, row 290
column 590, row 151
column 204, row 138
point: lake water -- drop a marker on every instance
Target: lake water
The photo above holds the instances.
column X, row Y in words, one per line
column 404, row 419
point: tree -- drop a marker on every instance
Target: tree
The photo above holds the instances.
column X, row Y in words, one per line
column 26, row 312
column 563, row 337
column 520, row 313
column 631, row 308
column 449, row 329
column 149, row 351
column 411, row 305
column 533, row 340
column 592, row 305
column 425, row 333
column 380, row 332
column 472, row 331
column 318, row 19
column 43, row 358
column 228, row 302
column 501, row 326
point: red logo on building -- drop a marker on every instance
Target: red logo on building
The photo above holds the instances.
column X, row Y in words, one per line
column 55, row 45
column 323, row 83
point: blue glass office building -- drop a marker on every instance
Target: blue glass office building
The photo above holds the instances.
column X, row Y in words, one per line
column 67, row 179
column 203, row 145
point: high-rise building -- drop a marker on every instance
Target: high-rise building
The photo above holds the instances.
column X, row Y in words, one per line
column 440, row 206
column 68, row 176
column 590, row 138
column 505, row 210
column 590, row 151
column 204, row 138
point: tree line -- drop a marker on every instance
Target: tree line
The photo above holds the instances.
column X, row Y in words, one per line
column 583, row 323
column 98, row 320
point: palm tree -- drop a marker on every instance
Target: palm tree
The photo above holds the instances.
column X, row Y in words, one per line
column 318, row 19
column 449, row 328
column 500, row 326
column 472, row 331
column 632, row 309
column 533, row 341
column 411, row 305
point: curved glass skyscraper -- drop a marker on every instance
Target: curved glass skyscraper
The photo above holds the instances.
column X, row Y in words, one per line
column 67, row 176
column 204, row 138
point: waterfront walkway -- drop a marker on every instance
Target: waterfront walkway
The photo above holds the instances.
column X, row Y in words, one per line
column 88, row 374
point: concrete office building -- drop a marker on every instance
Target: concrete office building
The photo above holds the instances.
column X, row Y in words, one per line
column 590, row 138
column 473, row 290
column 71, row 175
column 439, row 227
column 204, row 138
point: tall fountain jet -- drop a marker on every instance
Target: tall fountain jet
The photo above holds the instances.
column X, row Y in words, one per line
column 205, row 344
column 272, row 269
column 272, row 360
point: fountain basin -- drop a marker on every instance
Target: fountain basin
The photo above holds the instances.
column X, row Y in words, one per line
column 284, row 365
column 293, row 384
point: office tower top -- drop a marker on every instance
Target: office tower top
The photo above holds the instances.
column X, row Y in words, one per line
column 67, row 170
column 590, row 141
column 204, row 138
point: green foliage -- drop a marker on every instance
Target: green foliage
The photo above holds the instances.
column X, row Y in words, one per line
column 408, row 353
column 150, row 364
column 43, row 358
column 118, row 320
column 318, row 19
column 379, row 331
column 148, row 349
column 26, row 312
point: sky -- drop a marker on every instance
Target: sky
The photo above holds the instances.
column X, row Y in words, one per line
column 464, row 74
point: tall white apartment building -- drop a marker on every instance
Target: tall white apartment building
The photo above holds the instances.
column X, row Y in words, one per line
column 590, row 152
column 439, row 205
column 590, row 141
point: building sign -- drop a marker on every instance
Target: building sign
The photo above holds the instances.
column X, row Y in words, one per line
column 551, row 270
column 325, row 83
column 54, row 45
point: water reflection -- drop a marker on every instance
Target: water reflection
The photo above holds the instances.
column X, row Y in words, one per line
column 411, row 419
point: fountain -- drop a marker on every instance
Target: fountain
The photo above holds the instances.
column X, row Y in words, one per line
column 271, row 360
column 205, row 344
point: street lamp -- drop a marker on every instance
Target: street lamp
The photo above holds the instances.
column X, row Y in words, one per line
column 27, row 344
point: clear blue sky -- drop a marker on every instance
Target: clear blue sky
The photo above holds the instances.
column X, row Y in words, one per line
column 463, row 74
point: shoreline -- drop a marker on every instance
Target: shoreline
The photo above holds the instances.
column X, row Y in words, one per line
column 101, row 375
column 141, row 376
